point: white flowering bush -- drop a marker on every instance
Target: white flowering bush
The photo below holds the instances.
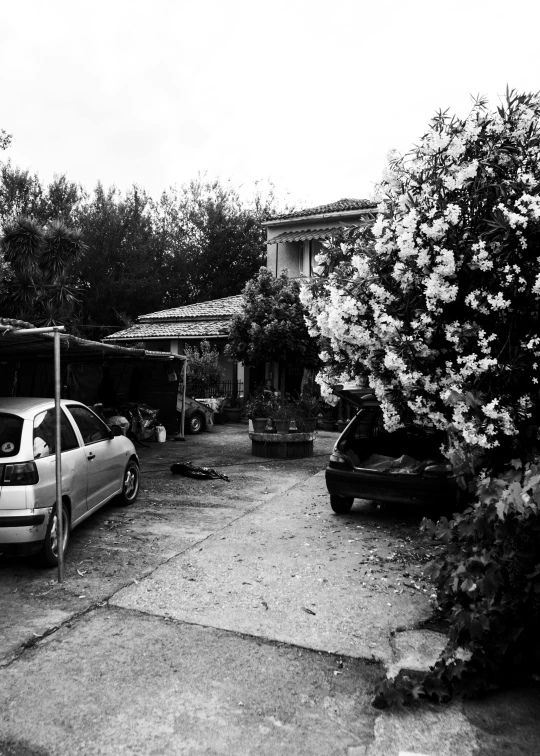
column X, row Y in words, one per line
column 438, row 305
column 438, row 302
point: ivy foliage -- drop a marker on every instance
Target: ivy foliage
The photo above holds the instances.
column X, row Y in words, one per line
column 488, row 589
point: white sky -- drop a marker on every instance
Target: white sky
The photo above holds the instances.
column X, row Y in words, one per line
column 310, row 94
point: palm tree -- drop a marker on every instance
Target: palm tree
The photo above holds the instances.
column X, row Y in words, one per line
column 39, row 286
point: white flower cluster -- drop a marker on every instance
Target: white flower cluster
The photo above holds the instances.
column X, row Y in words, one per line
column 433, row 301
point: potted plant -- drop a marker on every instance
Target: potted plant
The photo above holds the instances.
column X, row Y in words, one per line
column 259, row 410
column 232, row 409
column 282, row 417
column 307, row 411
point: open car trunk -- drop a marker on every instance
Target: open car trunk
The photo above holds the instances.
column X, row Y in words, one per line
column 406, row 451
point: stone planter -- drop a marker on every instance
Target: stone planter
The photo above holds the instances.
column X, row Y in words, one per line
column 282, row 445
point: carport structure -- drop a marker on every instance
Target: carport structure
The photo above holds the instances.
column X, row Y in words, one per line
column 44, row 362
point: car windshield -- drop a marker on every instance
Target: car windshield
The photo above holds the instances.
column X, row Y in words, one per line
column 10, row 434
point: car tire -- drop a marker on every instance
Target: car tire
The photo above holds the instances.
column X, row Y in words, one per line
column 130, row 484
column 48, row 554
column 341, row 504
column 195, row 423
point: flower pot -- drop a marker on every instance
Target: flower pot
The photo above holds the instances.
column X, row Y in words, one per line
column 282, row 426
column 232, row 414
column 259, row 424
column 341, row 425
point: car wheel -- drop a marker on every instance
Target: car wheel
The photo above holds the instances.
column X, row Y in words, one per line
column 48, row 554
column 195, row 423
column 130, row 483
column 341, row 504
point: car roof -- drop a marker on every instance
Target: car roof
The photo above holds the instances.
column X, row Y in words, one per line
column 359, row 396
column 27, row 406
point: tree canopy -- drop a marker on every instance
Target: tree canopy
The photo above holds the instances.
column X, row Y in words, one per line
column 271, row 326
column 197, row 242
column 38, row 281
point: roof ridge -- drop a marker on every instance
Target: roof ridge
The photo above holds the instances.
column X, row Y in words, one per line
column 210, row 308
column 341, row 205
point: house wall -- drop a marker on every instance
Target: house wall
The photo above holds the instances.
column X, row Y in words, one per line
column 286, row 255
column 297, row 257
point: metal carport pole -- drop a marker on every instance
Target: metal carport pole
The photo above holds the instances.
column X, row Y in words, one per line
column 58, row 414
column 58, row 442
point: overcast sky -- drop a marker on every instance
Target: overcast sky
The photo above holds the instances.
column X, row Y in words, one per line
column 306, row 93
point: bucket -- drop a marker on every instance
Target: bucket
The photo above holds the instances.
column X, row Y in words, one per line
column 161, row 434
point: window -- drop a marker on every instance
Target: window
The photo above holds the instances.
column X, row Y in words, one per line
column 315, row 248
column 90, row 426
column 45, row 434
column 10, row 434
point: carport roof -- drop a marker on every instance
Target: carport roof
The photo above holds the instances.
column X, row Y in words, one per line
column 15, row 344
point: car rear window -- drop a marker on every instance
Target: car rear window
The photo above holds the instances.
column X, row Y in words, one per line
column 10, row 434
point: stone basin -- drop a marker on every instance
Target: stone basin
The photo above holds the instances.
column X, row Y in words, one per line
column 282, row 445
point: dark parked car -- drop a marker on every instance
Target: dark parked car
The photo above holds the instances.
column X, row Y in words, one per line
column 406, row 466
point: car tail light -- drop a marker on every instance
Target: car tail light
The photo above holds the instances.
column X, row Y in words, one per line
column 20, row 474
column 435, row 471
column 337, row 458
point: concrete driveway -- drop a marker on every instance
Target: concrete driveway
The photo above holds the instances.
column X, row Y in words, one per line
column 233, row 617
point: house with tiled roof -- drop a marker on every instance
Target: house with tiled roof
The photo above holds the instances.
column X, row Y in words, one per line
column 171, row 330
column 296, row 238
column 293, row 239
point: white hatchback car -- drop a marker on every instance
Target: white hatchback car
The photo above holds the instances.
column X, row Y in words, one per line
column 98, row 463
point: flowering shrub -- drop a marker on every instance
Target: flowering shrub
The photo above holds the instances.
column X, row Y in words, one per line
column 438, row 303
column 439, row 300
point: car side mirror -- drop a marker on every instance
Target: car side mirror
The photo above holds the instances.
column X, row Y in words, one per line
column 116, row 430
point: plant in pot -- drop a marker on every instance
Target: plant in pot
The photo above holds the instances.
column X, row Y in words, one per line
column 259, row 410
column 307, row 411
column 232, row 409
column 282, row 417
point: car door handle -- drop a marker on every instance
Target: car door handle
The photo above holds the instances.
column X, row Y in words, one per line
column 91, row 456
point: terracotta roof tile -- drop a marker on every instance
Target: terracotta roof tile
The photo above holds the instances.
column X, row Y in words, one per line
column 215, row 308
column 342, row 205
column 173, row 330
